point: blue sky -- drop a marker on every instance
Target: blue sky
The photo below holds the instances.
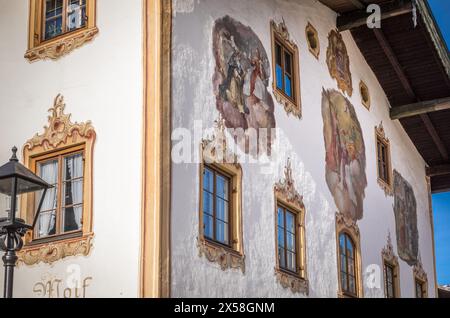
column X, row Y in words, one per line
column 441, row 202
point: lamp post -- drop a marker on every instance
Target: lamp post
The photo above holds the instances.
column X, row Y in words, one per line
column 16, row 180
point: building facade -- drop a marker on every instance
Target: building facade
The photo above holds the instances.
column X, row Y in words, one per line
column 211, row 149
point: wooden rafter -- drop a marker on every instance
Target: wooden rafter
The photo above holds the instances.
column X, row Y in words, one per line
column 387, row 49
column 438, row 170
column 419, row 108
column 359, row 17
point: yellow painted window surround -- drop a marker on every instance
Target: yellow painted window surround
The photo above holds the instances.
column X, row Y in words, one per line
column 57, row 27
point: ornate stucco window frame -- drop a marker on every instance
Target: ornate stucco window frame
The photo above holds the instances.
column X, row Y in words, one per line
column 388, row 257
column 280, row 33
column 420, row 276
column 286, row 195
column 60, row 134
column 40, row 49
column 215, row 154
column 349, row 227
column 380, row 136
column 312, row 35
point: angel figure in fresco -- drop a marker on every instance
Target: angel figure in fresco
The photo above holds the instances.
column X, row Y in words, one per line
column 345, row 155
column 233, row 87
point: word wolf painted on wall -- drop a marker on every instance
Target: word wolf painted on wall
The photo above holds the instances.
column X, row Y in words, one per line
column 405, row 210
column 345, row 154
column 241, row 80
column 55, row 288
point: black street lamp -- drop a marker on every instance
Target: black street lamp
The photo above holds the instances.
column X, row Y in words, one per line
column 16, row 180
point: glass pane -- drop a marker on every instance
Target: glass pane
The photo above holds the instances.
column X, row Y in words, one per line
column 208, row 226
column 279, row 76
column 291, row 261
column 50, row 199
column 288, row 63
column 280, row 217
column 207, row 203
column 222, row 232
column 222, row 210
column 208, row 180
column 222, row 187
column 343, row 264
column 72, row 218
column 290, row 222
column 281, row 257
column 281, row 237
column 352, row 286
column 291, row 242
column 278, row 54
column 73, row 167
column 53, row 27
column 351, row 267
column 46, row 224
column 342, row 244
column 73, row 192
column 76, row 15
column 344, row 284
column 288, row 84
column 48, row 171
column 349, row 247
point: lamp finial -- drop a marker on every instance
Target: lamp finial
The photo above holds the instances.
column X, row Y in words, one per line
column 14, row 155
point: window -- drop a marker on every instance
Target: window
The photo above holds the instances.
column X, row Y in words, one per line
column 216, row 206
column 384, row 170
column 62, row 16
column 59, row 26
column 347, row 265
column 287, row 240
column 285, row 60
column 420, row 289
column 62, row 210
column 63, row 156
column 290, row 244
column 220, row 203
column 389, row 281
column 391, row 270
column 348, row 250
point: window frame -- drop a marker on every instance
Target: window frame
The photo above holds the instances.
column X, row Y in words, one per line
column 280, row 35
column 300, row 271
column 347, row 237
column 395, row 278
column 60, row 155
column 232, row 256
column 40, row 48
column 422, row 283
column 350, row 228
column 381, row 139
column 60, row 135
column 217, row 171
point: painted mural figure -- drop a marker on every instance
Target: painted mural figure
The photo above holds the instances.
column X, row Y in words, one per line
column 345, row 154
column 339, row 63
column 241, row 80
column 405, row 210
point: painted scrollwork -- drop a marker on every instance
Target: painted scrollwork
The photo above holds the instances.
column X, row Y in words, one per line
column 388, row 252
column 419, row 272
column 59, row 128
column 285, row 189
column 53, row 252
column 339, row 63
column 56, row 49
column 225, row 258
column 295, row 284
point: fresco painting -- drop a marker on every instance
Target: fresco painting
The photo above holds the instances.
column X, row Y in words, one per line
column 339, row 63
column 405, row 210
column 241, row 80
column 345, row 154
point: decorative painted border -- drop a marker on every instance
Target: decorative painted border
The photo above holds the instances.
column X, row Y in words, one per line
column 367, row 103
column 296, row 284
column 226, row 258
column 56, row 49
column 280, row 31
column 55, row 251
column 310, row 29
